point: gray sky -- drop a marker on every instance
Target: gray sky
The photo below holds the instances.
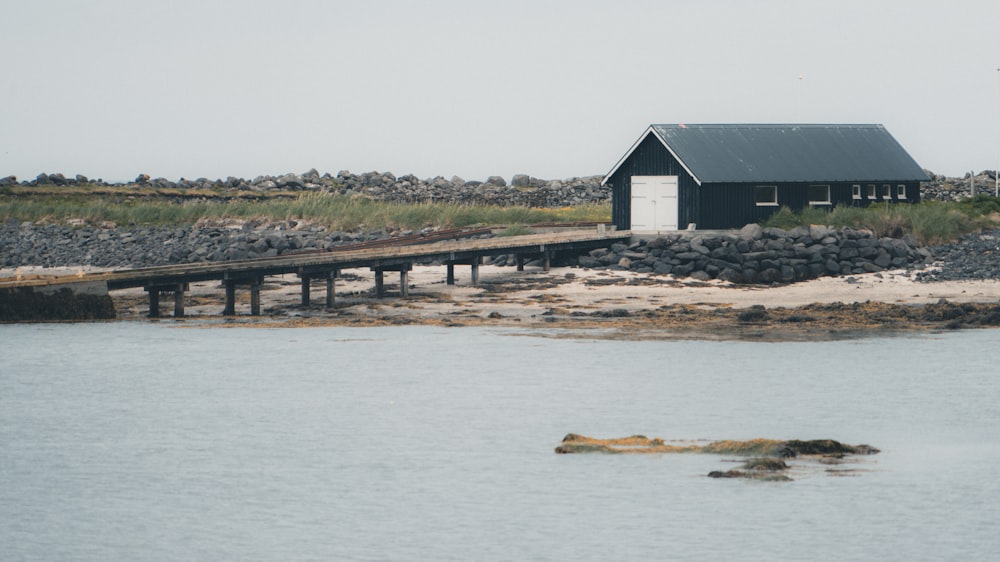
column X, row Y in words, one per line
column 114, row 88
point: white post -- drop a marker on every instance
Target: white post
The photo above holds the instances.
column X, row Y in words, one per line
column 972, row 180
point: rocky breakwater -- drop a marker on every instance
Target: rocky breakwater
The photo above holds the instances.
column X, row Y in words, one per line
column 756, row 255
column 753, row 255
column 973, row 256
column 56, row 245
column 523, row 190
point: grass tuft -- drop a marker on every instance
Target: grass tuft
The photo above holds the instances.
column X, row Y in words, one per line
column 931, row 222
column 340, row 212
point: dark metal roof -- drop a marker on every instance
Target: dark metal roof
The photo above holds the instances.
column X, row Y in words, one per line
column 789, row 153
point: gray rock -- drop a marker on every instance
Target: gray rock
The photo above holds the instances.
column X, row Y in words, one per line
column 818, row 232
column 662, row 268
column 751, row 231
column 290, row 181
column 883, row 259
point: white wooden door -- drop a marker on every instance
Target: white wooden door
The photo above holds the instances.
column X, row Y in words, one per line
column 654, row 203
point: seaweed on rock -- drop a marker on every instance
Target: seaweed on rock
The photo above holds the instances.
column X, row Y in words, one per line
column 765, row 457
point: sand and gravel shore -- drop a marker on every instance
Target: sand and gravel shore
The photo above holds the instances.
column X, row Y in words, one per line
column 604, row 304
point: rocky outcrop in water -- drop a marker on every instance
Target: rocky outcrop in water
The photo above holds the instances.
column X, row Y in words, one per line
column 763, row 457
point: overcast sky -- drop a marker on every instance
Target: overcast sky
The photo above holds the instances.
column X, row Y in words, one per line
column 114, row 88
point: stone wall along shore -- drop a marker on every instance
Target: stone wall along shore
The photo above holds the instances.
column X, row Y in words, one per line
column 56, row 245
column 756, row 255
column 753, row 255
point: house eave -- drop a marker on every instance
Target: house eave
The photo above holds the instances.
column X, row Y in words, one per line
column 649, row 130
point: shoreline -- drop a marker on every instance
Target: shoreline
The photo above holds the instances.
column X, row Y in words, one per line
column 605, row 304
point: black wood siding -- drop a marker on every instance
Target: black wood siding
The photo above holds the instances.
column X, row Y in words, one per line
column 732, row 205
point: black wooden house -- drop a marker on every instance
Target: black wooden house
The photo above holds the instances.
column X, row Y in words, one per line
column 726, row 176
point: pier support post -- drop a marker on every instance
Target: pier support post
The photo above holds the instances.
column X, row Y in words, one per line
column 331, row 295
column 547, row 261
column 255, row 296
column 230, row 308
column 179, row 301
column 305, row 289
column 379, row 284
column 475, row 270
column 451, row 273
column 404, row 282
column 154, row 301
column 520, row 262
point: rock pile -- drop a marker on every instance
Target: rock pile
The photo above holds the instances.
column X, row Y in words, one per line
column 752, row 256
column 974, row 256
column 758, row 255
column 523, row 190
column 62, row 246
column 941, row 188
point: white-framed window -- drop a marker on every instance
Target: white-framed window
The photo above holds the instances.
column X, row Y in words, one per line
column 766, row 195
column 818, row 194
column 856, row 191
column 872, row 193
column 887, row 192
column 901, row 192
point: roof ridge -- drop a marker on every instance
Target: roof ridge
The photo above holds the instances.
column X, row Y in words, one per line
column 769, row 125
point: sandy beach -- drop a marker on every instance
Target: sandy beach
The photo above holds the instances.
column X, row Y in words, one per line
column 605, row 303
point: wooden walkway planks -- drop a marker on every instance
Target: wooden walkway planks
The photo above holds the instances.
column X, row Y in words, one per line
column 326, row 265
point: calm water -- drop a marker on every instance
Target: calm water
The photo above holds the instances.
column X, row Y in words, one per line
column 142, row 441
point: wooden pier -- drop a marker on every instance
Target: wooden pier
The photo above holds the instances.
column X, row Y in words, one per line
column 326, row 266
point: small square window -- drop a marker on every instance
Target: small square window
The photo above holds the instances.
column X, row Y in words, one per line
column 901, row 192
column 871, row 191
column 887, row 192
column 856, row 191
column 766, row 195
column 819, row 194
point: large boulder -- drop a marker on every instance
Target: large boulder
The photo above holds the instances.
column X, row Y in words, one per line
column 290, row 181
column 750, row 232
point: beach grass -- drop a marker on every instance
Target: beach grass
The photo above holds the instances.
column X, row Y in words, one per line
column 930, row 222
